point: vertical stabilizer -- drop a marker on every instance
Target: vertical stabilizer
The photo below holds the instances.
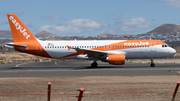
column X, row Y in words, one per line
column 24, row 40
column 19, row 31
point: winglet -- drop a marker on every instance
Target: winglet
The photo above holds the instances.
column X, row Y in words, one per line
column 69, row 48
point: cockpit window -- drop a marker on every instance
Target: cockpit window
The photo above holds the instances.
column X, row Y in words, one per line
column 164, row 45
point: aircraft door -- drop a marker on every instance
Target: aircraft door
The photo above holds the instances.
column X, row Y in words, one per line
column 153, row 47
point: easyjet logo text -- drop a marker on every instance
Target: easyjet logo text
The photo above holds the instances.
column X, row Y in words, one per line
column 18, row 27
column 136, row 43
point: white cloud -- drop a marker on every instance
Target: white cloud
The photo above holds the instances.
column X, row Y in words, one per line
column 51, row 17
column 74, row 26
column 130, row 26
column 173, row 3
column 133, row 25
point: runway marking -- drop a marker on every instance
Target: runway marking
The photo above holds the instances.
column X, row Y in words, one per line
column 21, row 64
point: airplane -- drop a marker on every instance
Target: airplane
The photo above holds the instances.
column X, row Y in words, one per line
column 114, row 52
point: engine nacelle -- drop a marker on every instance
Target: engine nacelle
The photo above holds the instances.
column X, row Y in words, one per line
column 117, row 59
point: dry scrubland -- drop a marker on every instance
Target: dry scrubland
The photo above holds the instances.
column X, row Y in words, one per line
column 97, row 88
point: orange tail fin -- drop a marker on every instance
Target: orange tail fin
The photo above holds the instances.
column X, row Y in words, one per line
column 19, row 31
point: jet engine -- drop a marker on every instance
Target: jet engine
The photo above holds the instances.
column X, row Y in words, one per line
column 116, row 59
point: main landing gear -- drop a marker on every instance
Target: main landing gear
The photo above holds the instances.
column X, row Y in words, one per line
column 152, row 63
column 94, row 64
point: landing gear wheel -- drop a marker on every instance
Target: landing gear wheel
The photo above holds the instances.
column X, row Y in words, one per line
column 94, row 65
column 153, row 65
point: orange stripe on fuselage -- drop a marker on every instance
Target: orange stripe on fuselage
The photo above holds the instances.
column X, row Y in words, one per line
column 129, row 44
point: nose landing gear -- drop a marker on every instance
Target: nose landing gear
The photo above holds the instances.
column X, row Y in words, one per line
column 152, row 63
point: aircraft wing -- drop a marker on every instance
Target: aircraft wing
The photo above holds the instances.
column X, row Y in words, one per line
column 80, row 51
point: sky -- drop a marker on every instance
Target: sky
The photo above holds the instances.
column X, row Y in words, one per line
column 91, row 17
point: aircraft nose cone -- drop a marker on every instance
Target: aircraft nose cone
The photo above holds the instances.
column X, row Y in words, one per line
column 172, row 51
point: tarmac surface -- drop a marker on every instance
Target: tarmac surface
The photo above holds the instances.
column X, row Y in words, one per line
column 82, row 68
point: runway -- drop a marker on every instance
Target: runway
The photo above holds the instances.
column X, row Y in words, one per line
column 82, row 68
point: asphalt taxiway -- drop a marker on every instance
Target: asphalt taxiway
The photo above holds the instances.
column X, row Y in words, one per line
column 82, row 68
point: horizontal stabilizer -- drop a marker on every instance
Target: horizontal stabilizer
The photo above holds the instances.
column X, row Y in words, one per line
column 22, row 47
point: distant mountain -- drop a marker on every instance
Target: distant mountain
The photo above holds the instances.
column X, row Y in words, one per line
column 5, row 33
column 45, row 34
column 165, row 28
column 106, row 35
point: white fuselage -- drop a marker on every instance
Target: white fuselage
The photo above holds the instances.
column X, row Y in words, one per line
column 58, row 49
